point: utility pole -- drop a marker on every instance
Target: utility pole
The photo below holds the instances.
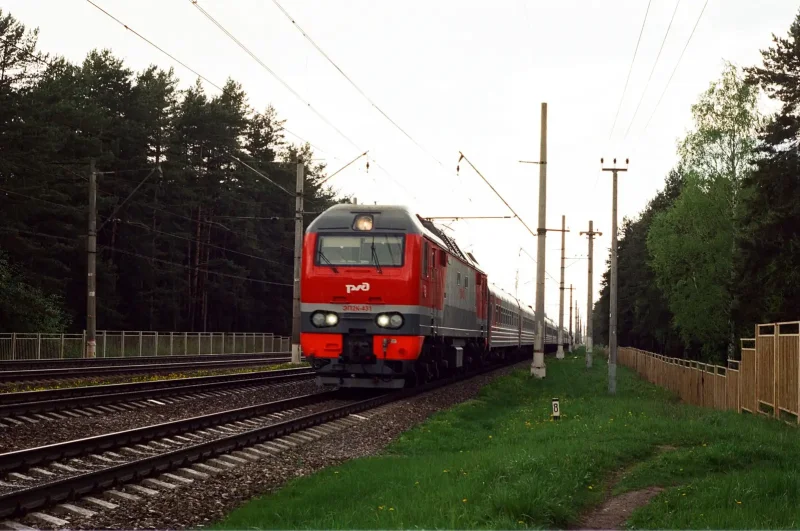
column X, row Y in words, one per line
column 570, row 317
column 298, row 256
column 538, row 368
column 591, row 233
column 91, row 279
column 612, row 328
column 560, row 352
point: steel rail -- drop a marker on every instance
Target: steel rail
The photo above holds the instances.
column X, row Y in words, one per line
column 17, row 502
column 21, row 460
column 56, row 374
column 31, row 402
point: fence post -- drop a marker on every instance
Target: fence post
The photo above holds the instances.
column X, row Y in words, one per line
column 185, row 343
column 13, row 345
column 199, row 342
column 140, row 343
column 38, row 346
column 122, row 345
column 170, row 343
column 61, row 350
column 105, row 336
column 222, row 351
column 157, row 343
column 263, row 342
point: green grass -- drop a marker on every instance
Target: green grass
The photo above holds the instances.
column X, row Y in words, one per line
column 500, row 462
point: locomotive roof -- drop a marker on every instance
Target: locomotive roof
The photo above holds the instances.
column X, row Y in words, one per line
column 388, row 218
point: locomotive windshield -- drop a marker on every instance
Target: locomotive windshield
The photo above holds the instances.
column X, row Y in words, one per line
column 362, row 250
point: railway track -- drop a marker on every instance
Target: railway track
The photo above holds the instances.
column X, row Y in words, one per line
column 42, row 375
column 16, row 408
column 79, row 363
column 176, row 451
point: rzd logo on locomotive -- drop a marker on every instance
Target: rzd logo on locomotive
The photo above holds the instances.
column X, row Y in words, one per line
column 360, row 287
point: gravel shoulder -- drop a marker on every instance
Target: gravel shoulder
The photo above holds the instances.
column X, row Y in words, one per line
column 209, row 500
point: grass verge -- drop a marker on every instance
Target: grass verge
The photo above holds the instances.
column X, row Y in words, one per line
column 500, row 462
column 105, row 380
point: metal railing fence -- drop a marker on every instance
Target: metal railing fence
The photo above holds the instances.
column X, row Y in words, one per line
column 112, row 344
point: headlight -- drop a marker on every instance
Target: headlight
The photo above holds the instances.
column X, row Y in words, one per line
column 322, row 319
column 389, row 320
column 318, row 319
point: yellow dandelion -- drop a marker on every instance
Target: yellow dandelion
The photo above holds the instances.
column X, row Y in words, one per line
column 416, row 483
column 336, row 472
column 737, row 501
column 464, row 500
column 445, row 471
column 520, row 522
column 684, row 494
column 490, row 436
column 380, row 507
column 590, row 487
column 391, row 508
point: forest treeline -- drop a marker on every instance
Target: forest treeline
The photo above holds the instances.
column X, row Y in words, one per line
column 189, row 238
column 717, row 250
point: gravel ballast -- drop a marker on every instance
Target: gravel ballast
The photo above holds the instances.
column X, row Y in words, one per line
column 209, row 500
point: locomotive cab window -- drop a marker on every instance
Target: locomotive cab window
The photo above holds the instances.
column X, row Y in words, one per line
column 458, row 279
column 383, row 250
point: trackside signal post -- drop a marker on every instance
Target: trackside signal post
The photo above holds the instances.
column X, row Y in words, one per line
column 298, row 255
column 591, row 233
column 612, row 328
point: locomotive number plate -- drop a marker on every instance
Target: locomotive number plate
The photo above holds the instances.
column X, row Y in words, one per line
column 356, row 308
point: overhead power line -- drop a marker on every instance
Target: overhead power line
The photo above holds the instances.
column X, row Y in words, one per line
column 175, row 264
column 534, row 234
column 630, row 69
column 201, row 242
column 240, row 161
column 272, row 72
column 663, row 41
column 349, row 80
column 190, row 69
column 151, row 43
column 676, row 66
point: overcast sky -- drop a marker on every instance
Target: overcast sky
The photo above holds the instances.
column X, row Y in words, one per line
column 457, row 75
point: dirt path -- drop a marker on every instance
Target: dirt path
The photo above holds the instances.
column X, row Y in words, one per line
column 616, row 510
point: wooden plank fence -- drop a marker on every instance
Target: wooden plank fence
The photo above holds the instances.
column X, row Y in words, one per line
column 765, row 380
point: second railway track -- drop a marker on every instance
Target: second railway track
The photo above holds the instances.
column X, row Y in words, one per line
column 36, row 375
column 13, row 405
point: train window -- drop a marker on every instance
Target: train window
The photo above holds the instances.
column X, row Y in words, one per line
column 425, row 260
column 458, row 279
column 443, row 258
column 466, row 281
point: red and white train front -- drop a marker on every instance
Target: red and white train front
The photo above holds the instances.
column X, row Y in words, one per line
column 383, row 303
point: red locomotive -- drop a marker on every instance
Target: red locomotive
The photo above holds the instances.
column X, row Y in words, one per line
column 389, row 300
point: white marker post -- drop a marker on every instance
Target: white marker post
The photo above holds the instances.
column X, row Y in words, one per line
column 556, row 410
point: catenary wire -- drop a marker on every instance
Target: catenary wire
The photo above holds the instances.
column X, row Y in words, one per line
column 630, row 70
column 676, row 67
column 272, row 72
column 644, row 91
